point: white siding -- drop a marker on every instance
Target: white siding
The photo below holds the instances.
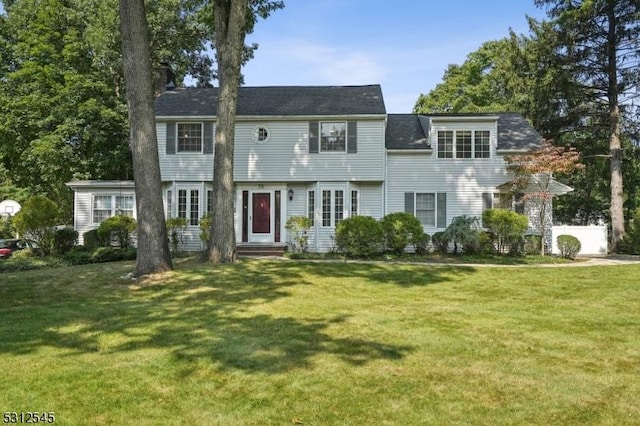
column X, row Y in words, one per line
column 83, row 205
column 285, row 156
column 463, row 180
column 182, row 166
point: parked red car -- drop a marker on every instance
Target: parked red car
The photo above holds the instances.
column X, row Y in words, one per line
column 7, row 247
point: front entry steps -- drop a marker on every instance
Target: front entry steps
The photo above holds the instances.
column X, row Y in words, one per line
column 260, row 250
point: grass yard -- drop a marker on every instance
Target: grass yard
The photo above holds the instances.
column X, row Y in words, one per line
column 286, row 342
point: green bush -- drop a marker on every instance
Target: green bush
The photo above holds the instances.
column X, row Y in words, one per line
column 440, row 242
column 205, row 227
column 507, row 226
column 631, row 242
column 359, row 236
column 569, row 246
column 83, row 255
column 532, row 245
column 463, row 231
column 119, row 229
column 176, row 229
column 7, row 229
column 64, row 240
column 422, row 244
column 298, row 232
column 400, row 230
column 36, row 220
column 93, row 240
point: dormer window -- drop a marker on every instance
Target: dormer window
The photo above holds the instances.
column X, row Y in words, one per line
column 464, row 144
column 333, row 136
column 189, row 137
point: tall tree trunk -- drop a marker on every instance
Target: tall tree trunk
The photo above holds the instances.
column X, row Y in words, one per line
column 230, row 24
column 153, row 247
column 615, row 149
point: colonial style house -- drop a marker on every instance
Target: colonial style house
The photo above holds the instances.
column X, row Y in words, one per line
column 325, row 152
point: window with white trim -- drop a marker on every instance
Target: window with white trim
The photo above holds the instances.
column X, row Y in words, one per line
column 354, row 203
column 333, row 136
column 311, row 207
column 334, row 208
column 189, row 205
column 468, row 144
column 430, row 208
column 189, row 137
column 106, row 206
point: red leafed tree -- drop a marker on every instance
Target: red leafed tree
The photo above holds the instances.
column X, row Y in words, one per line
column 534, row 172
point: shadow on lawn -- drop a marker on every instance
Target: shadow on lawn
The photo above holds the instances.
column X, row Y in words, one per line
column 202, row 312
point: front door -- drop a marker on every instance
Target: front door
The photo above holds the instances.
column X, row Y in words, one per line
column 261, row 230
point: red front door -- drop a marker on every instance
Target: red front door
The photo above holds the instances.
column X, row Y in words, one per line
column 261, row 213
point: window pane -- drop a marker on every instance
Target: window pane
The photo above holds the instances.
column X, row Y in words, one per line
column 482, row 146
column 354, row 203
column 339, row 206
column 124, row 205
column 182, row 203
column 463, row 144
column 333, row 136
column 426, row 209
column 101, row 208
column 326, row 208
column 194, row 211
column 209, row 201
column 445, row 144
column 502, row 201
column 189, row 137
column 169, row 204
column 311, row 207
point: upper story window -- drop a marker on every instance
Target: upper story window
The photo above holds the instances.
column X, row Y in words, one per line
column 261, row 134
column 189, row 137
column 468, row 144
column 333, row 136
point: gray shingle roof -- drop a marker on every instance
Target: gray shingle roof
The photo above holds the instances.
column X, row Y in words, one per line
column 515, row 132
column 409, row 131
column 276, row 101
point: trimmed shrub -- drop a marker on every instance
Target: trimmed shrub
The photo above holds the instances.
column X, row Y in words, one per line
column 298, row 229
column 176, row 228
column 569, row 246
column 83, row 255
column 93, row 240
column 422, row 244
column 440, row 242
column 532, row 245
column 119, row 229
column 507, row 226
column 64, row 240
column 400, row 230
column 359, row 236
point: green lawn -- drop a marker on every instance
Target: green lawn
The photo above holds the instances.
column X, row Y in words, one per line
column 286, row 342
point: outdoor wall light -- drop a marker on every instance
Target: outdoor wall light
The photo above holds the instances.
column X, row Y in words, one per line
column 290, row 193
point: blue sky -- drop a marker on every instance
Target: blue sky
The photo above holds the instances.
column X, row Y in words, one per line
column 403, row 45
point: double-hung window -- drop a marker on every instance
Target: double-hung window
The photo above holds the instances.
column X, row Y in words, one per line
column 333, row 136
column 106, row 206
column 430, row 208
column 189, row 137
